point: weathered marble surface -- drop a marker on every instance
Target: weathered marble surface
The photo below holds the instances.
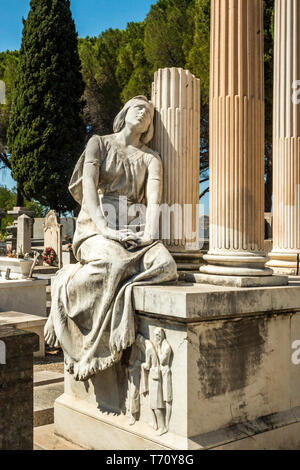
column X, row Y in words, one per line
column 92, row 316
column 23, row 296
column 231, row 368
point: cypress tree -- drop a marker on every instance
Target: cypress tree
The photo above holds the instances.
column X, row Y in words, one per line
column 46, row 130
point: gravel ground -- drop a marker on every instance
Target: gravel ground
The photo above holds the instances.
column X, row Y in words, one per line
column 53, row 361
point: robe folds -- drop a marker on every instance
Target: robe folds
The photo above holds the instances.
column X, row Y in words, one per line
column 92, row 304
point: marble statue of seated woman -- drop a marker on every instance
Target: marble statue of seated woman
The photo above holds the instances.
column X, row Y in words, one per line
column 92, row 315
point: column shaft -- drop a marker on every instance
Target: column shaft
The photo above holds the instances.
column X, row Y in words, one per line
column 176, row 97
column 286, row 139
column 237, row 140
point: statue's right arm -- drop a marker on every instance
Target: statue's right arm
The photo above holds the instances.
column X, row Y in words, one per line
column 91, row 173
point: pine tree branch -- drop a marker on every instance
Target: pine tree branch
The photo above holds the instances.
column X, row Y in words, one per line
column 4, row 159
column 204, row 192
column 204, row 180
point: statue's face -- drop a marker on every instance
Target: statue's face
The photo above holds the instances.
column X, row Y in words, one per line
column 158, row 335
column 139, row 116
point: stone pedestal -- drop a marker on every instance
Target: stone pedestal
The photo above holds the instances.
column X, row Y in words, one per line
column 236, row 142
column 16, row 393
column 24, row 234
column 19, row 267
column 233, row 371
column 176, row 97
column 285, row 255
column 23, row 296
column 26, row 322
column 11, row 241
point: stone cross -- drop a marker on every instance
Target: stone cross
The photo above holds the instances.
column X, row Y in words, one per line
column 53, row 235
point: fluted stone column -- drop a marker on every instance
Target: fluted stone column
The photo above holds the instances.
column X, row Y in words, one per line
column 176, row 97
column 286, row 139
column 237, row 142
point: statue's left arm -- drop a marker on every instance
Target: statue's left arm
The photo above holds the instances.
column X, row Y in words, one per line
column 153, row 196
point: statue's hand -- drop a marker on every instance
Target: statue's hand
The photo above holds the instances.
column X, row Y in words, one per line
column 122, row 236
column 144, row 239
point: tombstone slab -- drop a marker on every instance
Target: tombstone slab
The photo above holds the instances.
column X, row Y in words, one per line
column 53, row 235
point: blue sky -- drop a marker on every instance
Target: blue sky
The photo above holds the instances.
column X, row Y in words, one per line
column 91, row 18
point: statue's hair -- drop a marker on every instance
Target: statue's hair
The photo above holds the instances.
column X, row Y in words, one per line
column 119, row 121
column 161, row 330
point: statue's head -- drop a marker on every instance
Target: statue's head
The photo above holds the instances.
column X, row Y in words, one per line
column 139, row 112
column 159, row 335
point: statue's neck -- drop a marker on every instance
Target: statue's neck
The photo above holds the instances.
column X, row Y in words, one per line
column 129, row 137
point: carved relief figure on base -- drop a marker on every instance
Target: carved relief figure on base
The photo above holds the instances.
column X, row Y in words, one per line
column 164, row 352
column 92, row 315
column 158, row 382
column 137, row 356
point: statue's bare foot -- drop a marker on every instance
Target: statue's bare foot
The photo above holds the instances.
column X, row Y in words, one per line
column 162, row 431
column 49, row 334
column 154, row 425
column 132, row 420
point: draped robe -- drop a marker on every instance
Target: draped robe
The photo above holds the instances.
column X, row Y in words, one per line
column 92, row 306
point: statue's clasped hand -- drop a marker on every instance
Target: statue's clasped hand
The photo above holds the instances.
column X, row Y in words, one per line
column 138, row 239
column 127, row 237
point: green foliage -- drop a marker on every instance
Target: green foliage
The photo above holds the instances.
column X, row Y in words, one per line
column 166, row 27
column 133, row 71
column 8, row 65
column 102, row 92
column 198, row 54
column 46, row 131
column 8, row 200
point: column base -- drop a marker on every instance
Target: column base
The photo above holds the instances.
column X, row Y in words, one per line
column 236, row 281
column 243, row 264
column 238, row 270
column 188, row 260
column 285, row 263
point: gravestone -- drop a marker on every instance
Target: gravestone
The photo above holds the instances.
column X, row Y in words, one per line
column 38, row 228
column 24, row 232
column 11, row 241
column 53, row 235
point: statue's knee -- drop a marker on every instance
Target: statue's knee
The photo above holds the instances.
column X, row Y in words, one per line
column 172, row 267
